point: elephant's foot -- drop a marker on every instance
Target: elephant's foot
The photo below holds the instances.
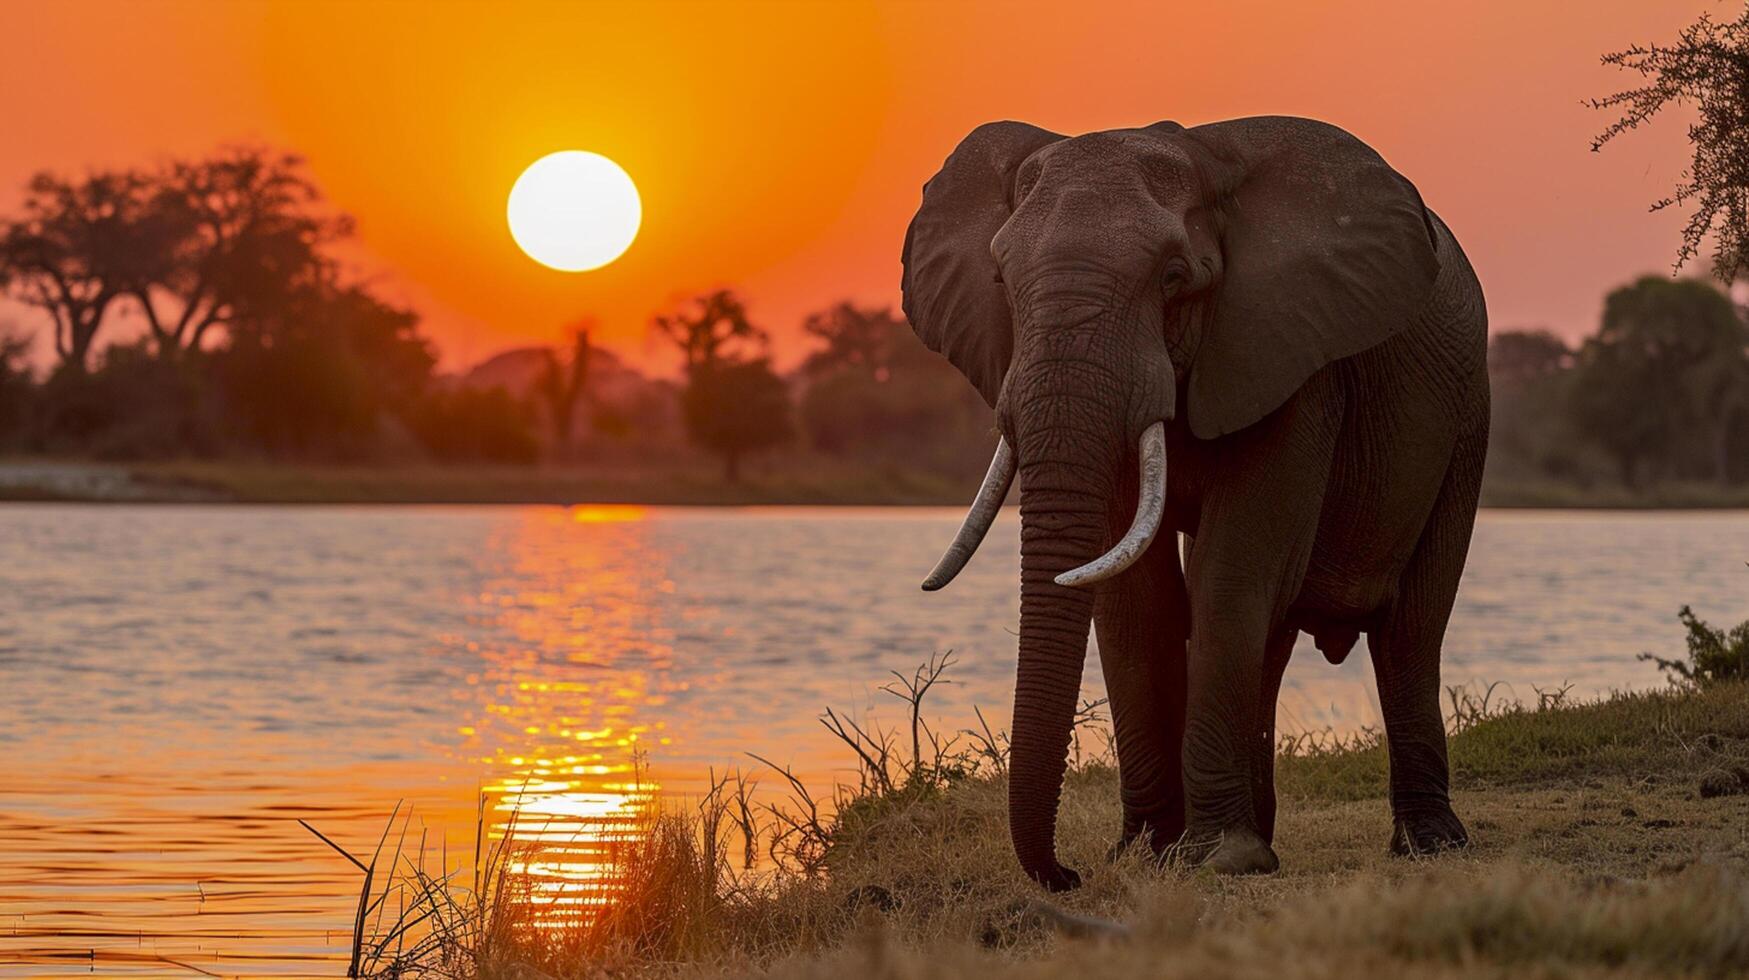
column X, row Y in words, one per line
column 1428, row 832
column 1056, row 878
column 1242, row 852
column 1234, row 851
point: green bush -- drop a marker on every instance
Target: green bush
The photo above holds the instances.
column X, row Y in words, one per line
column 1713, row 655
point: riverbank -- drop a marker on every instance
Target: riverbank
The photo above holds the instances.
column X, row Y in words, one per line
column 684, row 483
column 793, row 481
column 1608, row 840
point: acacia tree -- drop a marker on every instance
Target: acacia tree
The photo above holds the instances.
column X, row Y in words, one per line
column 197, row 245
column 716, row 329
column 854, row 337
column 1708, row 68
column 65, row 254
column 233, row 235
column 733, row 403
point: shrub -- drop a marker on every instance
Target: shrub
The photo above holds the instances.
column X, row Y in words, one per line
column 486, row 424
column 1713, row 655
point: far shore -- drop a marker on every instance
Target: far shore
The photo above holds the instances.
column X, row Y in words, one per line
column 792, row 481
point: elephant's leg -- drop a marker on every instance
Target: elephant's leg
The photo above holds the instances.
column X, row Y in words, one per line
column 1242, row 579
column 1254, row 540
column 1275, row 660
column 1406, row 653
column 1143, row 619
column 1231, row 622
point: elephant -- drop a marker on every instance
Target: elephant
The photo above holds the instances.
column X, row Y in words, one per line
column 1326, row 340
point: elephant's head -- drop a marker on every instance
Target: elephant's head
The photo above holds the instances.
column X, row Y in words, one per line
column 1091, row 287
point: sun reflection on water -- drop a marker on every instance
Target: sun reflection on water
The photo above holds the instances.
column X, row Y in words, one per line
column 570, row 707
column 566, row 835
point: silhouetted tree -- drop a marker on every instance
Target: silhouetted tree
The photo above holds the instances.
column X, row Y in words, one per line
column 1522, row 357
column 1662, row 382
column 319, row 374
column 131, row 405
column 1530, row 436
column 230, row 236
column 874, row 390
column 733, row 403
column 854, row 338
column 735, row 408
column 195, row 245
column 16, row 388
column 469, row 424
column 1708, row 68
column 717, row 330
column 561, row 385
column 66, row 253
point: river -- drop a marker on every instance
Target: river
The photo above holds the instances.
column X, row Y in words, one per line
column 179, row 684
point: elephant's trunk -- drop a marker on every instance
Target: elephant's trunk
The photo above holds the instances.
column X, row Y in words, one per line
column 1072, row 449
column 1060, row 529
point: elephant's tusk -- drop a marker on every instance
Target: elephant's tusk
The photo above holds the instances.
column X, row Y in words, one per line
column 978, row 520
column 1150, row 507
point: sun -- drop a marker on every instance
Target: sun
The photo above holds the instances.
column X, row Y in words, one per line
column 574, row 211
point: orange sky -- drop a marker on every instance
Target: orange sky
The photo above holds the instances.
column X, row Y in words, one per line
column 780, row 148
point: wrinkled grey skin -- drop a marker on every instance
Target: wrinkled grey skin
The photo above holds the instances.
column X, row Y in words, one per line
column 1315, row 340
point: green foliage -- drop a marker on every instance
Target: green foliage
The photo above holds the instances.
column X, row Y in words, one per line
column 1502, row 741
column 1714, row 656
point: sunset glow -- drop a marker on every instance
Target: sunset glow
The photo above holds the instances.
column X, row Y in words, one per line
column 417, row 128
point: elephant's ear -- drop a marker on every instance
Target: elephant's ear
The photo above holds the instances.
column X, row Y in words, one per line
column 1327, row 252
column 951, row 293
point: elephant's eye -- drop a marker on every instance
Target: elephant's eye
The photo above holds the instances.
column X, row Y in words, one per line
column 1176, row 274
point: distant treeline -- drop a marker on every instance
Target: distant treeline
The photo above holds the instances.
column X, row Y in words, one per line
column 1659, row 394
column 255, row 343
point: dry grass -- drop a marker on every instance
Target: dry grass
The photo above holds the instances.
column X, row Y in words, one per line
column 1598, row 851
